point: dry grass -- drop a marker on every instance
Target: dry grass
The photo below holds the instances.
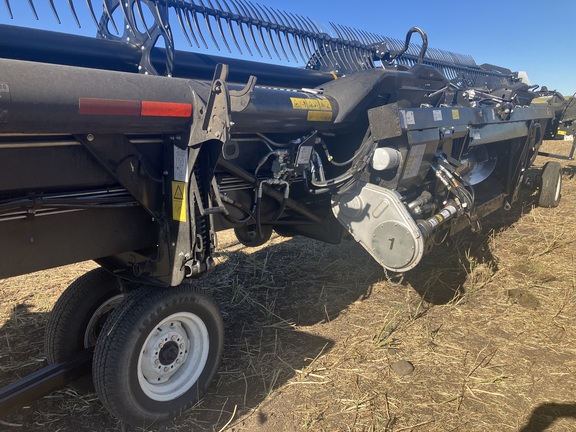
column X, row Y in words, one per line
column 314, row 331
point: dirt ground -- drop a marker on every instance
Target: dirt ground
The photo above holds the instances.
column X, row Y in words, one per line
column 481, row 336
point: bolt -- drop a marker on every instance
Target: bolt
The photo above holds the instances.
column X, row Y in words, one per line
column 166, row 369
column 174, row 338
column 178, row 361
column 217, row 134
column 157, row 362
column 161, row 345
column 182, row 346
column 90, row 137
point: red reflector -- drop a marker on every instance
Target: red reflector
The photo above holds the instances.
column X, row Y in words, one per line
column 166, row 109
column 108, row 107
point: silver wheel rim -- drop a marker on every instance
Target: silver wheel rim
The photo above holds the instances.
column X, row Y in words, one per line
column 173, row 356
column 91, row 333
column 558, row 188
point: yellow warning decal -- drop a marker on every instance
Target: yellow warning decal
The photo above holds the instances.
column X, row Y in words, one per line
column 455, row 114
column 179, row 207
column 299, row 103
column 311, row 104
column 325, row 105
column 320, row 116
column 561, row 132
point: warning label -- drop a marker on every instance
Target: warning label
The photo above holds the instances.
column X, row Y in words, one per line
column 311, row 104
column 179, row 207
column 319, row 116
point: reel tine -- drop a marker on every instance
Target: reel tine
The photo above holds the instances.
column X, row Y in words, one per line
column 258, row 26
column 315, row 30
column 284, row 32
column 209, row 26
column 31, row 3
column 369, row 40
column 207, row 21
column 182, row 25
column 303, row 37
column 353, row 50
column 109, row 15
column 377, row 38
column 346, row 49
column 74, row 14
column 219, row 24
column 339, row 45
column 272, row 19
column 268, row 30
column 363, row 36
column 55, row 11
column 239, row 24
column 141, row 16
column 186, row 14
column 327, row 43
column 294, row 36
column 93, row 15
column 380, row 38
column 356, row 35
column 228, row 21
column 251, row 30
column 7, row 3
column 310, row 46
column 197, row 25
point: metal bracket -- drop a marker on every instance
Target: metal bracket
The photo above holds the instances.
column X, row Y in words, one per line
column 214, row 121
column 239, row 99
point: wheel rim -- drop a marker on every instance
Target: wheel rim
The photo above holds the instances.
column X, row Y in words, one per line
column 97, row 319
column 558, row 188
column 173, row 356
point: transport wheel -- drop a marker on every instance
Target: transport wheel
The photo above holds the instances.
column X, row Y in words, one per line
column 157, row 354
column 78, row 316
column 551, row 188
column 248, row 235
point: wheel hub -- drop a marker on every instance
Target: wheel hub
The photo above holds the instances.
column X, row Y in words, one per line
column 165, row 352
column 169, row 353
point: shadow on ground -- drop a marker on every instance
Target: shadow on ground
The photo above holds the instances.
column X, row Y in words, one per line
column 267, row 297
column 545, row 415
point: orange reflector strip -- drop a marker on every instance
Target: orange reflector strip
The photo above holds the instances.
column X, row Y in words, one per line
column 95, row 106
column 108, row 106
column 166, row 109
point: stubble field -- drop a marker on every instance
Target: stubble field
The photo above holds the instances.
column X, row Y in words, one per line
column 319, row 338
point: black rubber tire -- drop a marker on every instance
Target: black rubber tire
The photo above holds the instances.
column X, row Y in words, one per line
column 127, row 344
column 551, row 187
column 67, row 325
column 284, row 231
column 248, row 235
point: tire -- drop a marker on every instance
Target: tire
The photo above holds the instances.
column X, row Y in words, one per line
column 78, row 316
column 551, row 188
column 248, row 235
column 284, row 231
column 157, row 354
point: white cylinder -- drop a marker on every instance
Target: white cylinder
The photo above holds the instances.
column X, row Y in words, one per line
column 385, row 158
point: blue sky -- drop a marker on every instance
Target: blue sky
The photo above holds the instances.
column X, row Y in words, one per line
column 535, row 37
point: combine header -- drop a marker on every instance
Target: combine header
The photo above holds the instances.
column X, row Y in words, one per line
column 124, row 150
